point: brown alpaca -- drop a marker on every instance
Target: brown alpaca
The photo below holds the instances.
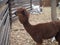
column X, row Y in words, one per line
column 40, row 31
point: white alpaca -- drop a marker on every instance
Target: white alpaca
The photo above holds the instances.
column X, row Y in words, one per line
column 36, row 9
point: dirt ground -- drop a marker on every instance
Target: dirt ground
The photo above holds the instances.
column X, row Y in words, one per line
column 19, row 36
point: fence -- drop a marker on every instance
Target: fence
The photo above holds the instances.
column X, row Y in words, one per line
column 4, row 25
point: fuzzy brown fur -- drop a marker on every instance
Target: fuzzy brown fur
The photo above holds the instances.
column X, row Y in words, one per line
column 40, row 31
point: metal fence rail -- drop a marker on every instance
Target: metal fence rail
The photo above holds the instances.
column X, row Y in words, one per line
column 4, row 26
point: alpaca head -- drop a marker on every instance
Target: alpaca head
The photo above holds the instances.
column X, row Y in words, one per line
column 22, row 14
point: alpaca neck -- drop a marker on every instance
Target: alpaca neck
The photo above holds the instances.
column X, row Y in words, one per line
column 27, row 26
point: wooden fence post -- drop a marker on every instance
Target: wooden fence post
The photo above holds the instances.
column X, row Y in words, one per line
column 31, row 4
column 53, row 10
column 40, row 1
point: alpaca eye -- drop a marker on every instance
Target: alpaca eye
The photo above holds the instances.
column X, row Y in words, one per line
column 23, row 12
